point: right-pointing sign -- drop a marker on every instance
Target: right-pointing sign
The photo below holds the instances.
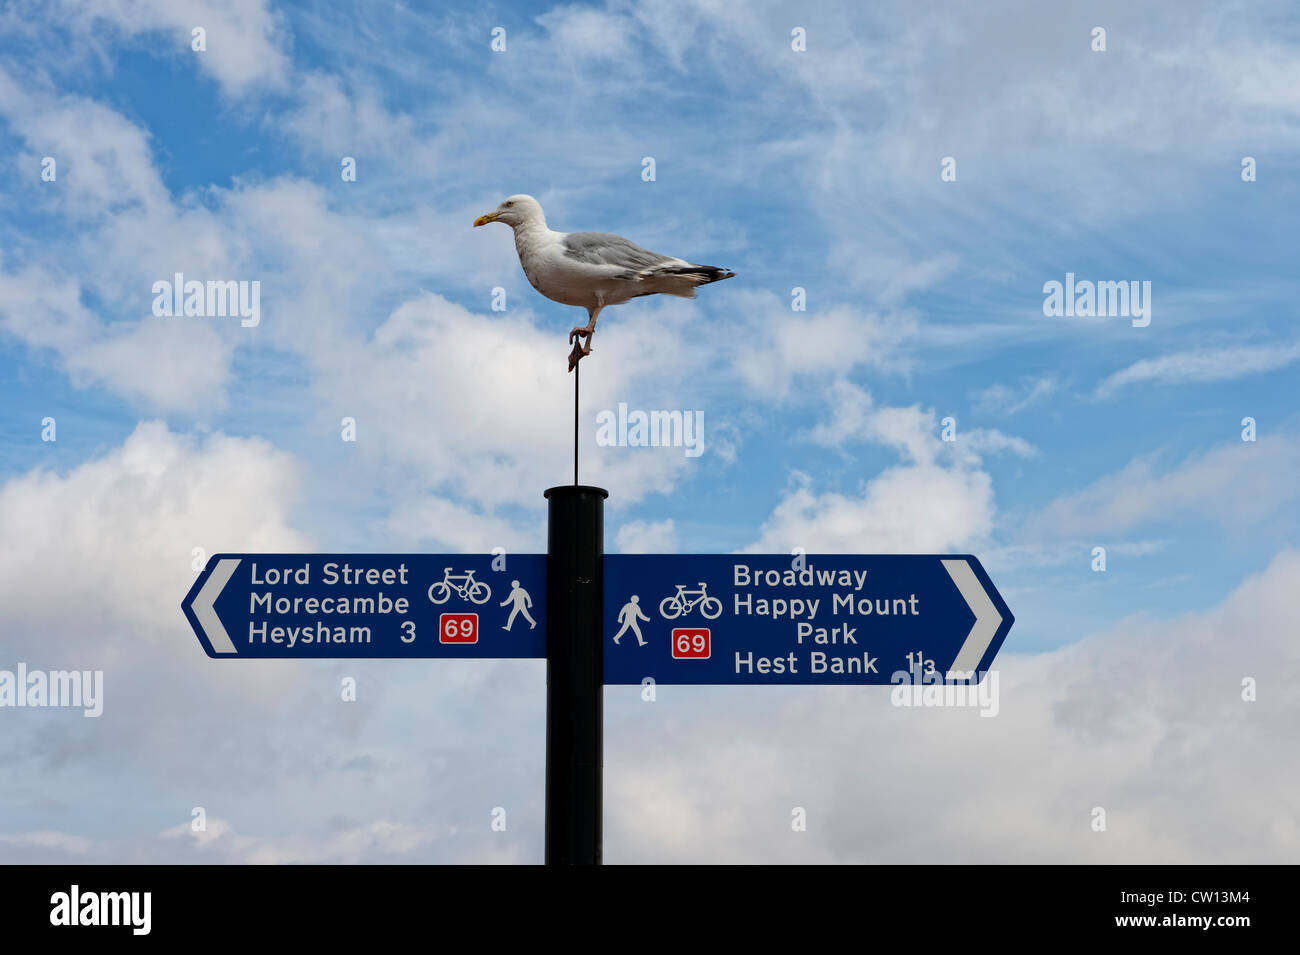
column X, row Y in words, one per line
column 711, row 618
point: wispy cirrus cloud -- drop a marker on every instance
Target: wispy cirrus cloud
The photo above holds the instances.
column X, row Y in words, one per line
column 1234, row 483
column 1202, row 365
column 1013, row 399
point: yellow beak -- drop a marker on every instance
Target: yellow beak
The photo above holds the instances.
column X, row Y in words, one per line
column 484, row 220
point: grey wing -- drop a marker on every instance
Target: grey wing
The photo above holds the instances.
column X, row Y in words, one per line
column 604, row 248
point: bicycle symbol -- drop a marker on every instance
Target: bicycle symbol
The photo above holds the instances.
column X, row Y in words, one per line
column 463, row 585
column 684, row 601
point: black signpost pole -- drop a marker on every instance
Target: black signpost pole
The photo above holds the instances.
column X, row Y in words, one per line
column 575, row 553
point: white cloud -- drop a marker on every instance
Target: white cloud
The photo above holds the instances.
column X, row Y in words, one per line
column 46, row 841
column 109, row 543
column 1078, row 551
column 584, row 32
column 1236, row 484
column 1205, row 365
column 855, row 417
column 912, row 509
column 44, row 312
column 1005, row 399
column 977, row 442
column 159, row 363
column 381, row 841
column 646, row 537
column 782, row 346
column 912, row 431
column 340, row 121
column 386, row 840
column 123, row 234
column 938, row 500
column 245, row 40
column 431, row 521
column 104, row 161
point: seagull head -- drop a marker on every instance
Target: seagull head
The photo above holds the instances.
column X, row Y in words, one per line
column 514, row 212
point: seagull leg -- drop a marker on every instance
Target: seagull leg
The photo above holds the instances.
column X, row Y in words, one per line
column 585, row 333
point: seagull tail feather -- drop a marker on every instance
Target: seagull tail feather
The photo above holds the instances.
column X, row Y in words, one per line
column 680, row 280
column 709, row 273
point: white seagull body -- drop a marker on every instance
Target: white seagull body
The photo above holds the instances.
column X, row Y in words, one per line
column 593, row 269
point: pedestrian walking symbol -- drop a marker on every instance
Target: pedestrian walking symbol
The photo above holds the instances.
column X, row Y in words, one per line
column 628, row 617
column 520, row 602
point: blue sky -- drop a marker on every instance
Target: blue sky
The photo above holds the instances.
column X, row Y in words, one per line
column 817, row 169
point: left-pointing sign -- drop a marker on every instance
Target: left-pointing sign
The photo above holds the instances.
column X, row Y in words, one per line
column 370, row 605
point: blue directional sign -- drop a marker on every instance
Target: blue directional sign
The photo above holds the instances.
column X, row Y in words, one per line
column 771, row 619
column 293, row 606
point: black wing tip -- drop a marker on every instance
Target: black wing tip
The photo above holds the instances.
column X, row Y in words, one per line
column 711, row 273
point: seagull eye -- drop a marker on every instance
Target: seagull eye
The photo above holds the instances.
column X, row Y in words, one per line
column 509, row 203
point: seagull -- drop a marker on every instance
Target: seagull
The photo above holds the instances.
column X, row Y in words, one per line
column 592, row 269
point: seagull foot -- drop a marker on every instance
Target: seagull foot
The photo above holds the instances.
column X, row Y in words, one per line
column 579, row 352
column 580, row 332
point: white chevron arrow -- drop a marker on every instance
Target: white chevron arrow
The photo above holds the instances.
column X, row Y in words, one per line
column 203, row 605
column 987, row 618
